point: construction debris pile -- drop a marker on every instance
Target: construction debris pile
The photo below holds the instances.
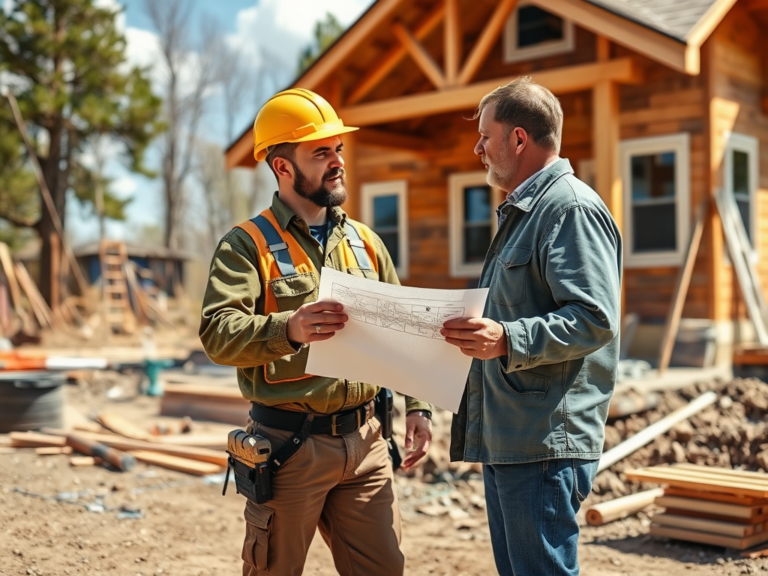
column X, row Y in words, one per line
column 731, row 433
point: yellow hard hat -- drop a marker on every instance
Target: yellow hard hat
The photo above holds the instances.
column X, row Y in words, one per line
column 294, row 115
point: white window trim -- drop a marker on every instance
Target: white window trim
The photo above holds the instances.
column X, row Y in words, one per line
column 680, row 145
column 456, row 184
column 750, row 145
column 371, row 190
column 514, row 54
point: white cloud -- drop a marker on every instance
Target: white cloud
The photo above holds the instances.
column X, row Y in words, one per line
column 285, row 28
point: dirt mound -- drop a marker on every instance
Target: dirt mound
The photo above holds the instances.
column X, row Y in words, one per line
column 732, row 433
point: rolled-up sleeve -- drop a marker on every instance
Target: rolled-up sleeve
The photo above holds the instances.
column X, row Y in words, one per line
column 581, row 264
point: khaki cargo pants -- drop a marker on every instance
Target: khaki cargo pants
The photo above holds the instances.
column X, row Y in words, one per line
column 342, row 485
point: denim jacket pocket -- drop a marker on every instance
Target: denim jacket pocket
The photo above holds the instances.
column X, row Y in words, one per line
column 525, row 382
column 508, row 287
column 293, row 291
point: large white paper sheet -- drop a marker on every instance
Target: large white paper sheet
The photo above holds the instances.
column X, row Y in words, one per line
column 392, row 338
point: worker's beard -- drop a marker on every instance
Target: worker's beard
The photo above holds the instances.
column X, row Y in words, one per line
column 321, row 195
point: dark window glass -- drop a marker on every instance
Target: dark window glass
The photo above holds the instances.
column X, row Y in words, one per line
column 386, row 222
column 477, row 222
column 385, row 211
column 654, row 228
column 740, row 172
column 535, row 26
column 653, row 176
column 477, row 239
column 740, row 162
column 477, row 204
column 392, row 242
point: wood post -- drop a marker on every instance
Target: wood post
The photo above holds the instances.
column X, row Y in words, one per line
column 453, row 41
column 55, row 273
column 353, row 204
column 485, row 42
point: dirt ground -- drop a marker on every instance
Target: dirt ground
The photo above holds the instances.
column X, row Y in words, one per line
column 57, row 520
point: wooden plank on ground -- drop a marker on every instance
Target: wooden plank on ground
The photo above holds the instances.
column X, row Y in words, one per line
column 694, row 514
column 747, row 484
column 79, row 461
column 176, row 463
column 201, row 454
column 711, row 526
column 715, row 496
column 706, row 538
column 35, row 439
column 719, row 508
column 213, row 441
column 122, row 426
column 53, row 450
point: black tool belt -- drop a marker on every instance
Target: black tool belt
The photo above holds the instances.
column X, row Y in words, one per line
column 331, row 425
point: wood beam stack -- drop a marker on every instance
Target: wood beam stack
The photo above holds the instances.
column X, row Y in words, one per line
column 714, row 506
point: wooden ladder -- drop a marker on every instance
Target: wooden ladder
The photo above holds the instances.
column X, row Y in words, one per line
column 740, row 251
column 113, row 255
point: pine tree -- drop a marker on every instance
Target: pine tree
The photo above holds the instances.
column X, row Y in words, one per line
column 65, row 61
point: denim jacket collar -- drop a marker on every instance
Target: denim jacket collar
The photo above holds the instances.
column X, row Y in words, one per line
column 530, row 196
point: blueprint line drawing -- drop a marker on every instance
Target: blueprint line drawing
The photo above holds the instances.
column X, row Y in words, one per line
column 419, row 317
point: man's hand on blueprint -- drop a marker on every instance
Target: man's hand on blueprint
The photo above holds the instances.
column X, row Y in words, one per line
column 480, row 338
column 315, row 322
column 418, row 439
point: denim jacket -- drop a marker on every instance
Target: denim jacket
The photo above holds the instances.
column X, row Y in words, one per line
column 554, row 273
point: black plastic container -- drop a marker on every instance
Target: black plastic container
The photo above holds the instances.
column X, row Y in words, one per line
column 31, row 400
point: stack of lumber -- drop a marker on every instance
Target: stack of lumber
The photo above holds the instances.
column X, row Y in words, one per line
column 120, row 443
column 201, row 402
column 714, row 506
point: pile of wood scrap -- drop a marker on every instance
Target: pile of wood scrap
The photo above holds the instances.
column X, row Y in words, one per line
column 715, row 506
column 119, row 443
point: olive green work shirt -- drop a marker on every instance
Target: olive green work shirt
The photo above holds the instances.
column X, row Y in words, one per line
column 235, row 331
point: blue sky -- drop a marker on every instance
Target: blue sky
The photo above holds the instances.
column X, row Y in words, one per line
column 284, row 27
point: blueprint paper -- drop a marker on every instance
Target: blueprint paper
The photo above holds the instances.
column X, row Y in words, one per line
column 392, row 338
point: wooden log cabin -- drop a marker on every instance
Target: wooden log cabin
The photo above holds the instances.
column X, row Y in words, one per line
column 666, row 103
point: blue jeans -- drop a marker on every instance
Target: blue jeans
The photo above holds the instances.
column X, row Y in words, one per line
column 532, row 515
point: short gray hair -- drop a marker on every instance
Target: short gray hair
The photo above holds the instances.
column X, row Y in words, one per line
column 530, row 106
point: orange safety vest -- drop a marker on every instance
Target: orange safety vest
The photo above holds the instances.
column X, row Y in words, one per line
column 291, row 278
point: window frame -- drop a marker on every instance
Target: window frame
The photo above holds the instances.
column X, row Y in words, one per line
column 680, row 144
column 399, row 188
column 737, row 142
column 457, row 182
column 514, row 54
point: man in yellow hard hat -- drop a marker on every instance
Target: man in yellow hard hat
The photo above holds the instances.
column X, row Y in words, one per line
column 330, row 466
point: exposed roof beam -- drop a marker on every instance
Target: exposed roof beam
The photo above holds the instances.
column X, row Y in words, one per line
column 240, row 154
column 364, row 28
column 393, row 57
column 486, row 41
column 419, row 54
column 702, row 30
column 452, row 41
column 560, row 80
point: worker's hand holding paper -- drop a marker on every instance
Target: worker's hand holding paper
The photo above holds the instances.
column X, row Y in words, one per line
column 392, row 337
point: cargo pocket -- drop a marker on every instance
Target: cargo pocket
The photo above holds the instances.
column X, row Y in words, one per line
column 258, row 526
column 508, row 287
column 363, row 273
column 292, row 291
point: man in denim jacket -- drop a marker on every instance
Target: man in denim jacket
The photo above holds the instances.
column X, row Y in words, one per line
column 545, row 352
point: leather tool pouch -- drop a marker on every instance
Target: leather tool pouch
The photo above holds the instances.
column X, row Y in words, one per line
column 249, row 459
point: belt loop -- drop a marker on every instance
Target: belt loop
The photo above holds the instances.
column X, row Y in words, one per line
column 365, row 407
column 333, row 425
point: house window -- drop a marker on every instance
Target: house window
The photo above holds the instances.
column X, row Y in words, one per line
column 532, row 32
column 473, row 221
column 655, row 175
column 385, row 211
column 740, row 174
